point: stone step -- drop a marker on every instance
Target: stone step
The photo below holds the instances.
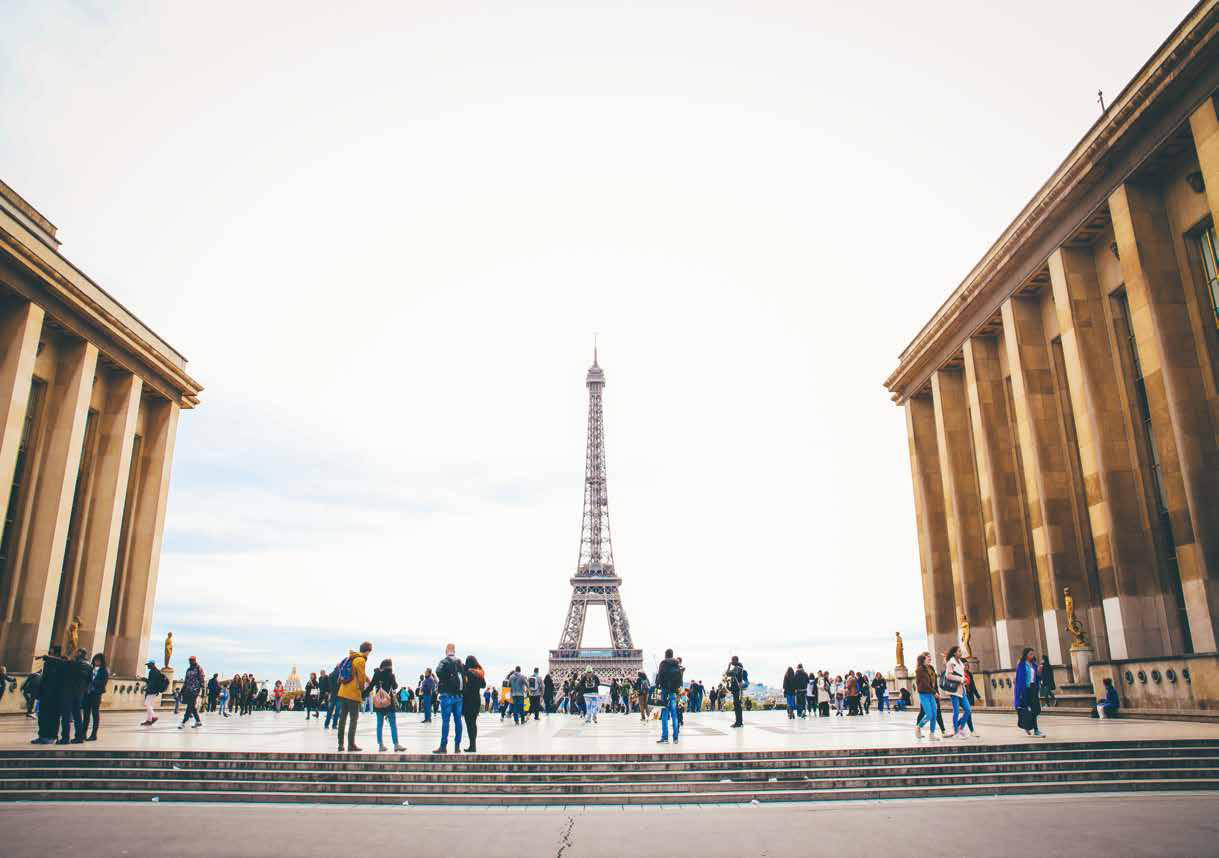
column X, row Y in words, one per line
column 949, row 790
column 193, row 783
column 623, row 775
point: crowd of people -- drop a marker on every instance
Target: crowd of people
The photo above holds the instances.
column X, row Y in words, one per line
column 66, row 694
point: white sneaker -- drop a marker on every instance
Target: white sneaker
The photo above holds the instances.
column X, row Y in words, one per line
column 936, row 738
column 918, row 732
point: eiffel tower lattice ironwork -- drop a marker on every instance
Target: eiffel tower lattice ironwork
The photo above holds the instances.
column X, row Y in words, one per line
column 595, row 581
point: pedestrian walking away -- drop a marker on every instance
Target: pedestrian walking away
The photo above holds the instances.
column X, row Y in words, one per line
column 450, row 682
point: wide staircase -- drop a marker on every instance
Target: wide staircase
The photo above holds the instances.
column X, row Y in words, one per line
column 945, row 770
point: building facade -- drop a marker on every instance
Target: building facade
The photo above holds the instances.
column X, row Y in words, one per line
column 1061, row 406
column 89, row 405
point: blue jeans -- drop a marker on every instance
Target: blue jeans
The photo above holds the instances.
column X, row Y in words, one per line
column 450, row 704
column 669, row 712
column 388, row 714
column 332, row 712
column 426, row 709
column 882, row 700
column 962, row 713
column 518, row 709
column 928, row 713
column 791, row 701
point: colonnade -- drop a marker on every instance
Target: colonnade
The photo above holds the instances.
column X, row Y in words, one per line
column 1074, row 442
column 85, row 456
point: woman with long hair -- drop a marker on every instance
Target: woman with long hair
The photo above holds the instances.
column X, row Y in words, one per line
column 1028, row 707
column 381, row 689
column 476, row 681
column 924, row 681
column 955, row 680
column 789, row 692
column 92, row 703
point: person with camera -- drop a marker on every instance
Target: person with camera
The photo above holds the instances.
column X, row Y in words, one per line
column 738, row 679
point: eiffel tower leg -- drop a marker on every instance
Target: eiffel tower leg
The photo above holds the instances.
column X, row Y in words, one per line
column 573, row 629
column 620, row 629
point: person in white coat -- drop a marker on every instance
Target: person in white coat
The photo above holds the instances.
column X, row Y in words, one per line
column 954, row 682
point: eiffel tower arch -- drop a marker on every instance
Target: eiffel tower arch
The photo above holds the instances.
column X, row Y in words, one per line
column 595, row 581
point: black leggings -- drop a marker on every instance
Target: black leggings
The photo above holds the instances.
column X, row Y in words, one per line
column 92, row 709
column 471, row 719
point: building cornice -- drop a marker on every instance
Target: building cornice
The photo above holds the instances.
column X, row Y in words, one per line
column 82, row 306
column 1183, row 72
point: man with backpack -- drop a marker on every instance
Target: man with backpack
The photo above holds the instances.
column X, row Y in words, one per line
column 352, row 681
column 154, row 685
column 669, row 681
column 192, row 685
column 738, row 680
column 450, row 680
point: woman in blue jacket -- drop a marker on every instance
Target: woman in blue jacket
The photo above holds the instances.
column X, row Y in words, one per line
column 1028, row 706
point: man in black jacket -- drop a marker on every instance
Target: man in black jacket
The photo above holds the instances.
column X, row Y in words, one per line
column 450, row 681
column 669, row 681
column 801, row 690
column 77, row 674
column 49, row 694
column 738, row 678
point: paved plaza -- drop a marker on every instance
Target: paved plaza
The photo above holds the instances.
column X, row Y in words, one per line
column 1183, row 824
column 615, row 733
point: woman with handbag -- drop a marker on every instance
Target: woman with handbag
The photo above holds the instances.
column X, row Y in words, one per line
column 382, row 687
column 954, row 683
column 1026, row 701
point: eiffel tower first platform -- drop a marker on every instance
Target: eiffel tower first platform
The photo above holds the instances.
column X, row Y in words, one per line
column 595, row 581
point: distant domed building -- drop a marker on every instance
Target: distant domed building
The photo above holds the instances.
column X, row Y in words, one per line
column 292, row 685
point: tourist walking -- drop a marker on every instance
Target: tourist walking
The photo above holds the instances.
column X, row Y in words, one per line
column 382, row 687
column 450, row 676
column 352, row 681
column 548, row 694
column 1026, row 701
column 93, row 697
column 154, row 685
column 954, row 682
column 1045, row 682
column 224, row 700
column 534, row 687
column 669, row 681
column 789, row 692
column 644, row 690
column 590, row 687
column 278, row 695
column 192, row 686
column 213, row 692
column 924, row 682
column 476, row 680
column 880, row 687
column 427, row 690
column 311, row 696
column 801, row 690
column 738, row 680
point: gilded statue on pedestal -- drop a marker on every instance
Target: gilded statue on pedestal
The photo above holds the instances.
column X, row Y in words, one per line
column 169, row 647
column 1079, row 638
column 901, row 651
column 965, row 650
column 73, row 640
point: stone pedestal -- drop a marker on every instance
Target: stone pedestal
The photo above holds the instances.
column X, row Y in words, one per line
column 1081, row 657
column 901, row 678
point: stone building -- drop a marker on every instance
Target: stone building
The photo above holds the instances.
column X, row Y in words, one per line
column 1062, row 406
column 89, row 404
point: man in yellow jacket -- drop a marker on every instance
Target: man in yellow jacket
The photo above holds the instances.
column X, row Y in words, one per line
column 351, row 695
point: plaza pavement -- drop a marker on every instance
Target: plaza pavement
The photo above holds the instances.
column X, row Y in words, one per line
column 1117, row 825
column 563, row 734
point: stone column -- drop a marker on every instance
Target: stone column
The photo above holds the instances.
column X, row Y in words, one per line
column 1047, row 473
column 130, row 640
column 19, row 331
column 963, row 512
column 103, row 525
column 1007, row 550
column 1184, row 432
column 1204, row 123
column 28, row 630
column 1137, row 618
column 932, row 529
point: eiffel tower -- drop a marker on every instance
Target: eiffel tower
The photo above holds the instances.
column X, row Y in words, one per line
column 595, row 581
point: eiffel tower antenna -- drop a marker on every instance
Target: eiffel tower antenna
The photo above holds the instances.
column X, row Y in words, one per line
column 595, row 581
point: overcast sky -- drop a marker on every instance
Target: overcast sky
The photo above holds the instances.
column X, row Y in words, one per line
column 384, row 235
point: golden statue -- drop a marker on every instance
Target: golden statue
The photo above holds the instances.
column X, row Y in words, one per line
column 901, row 651
column 169, row 647
column 1079, row 638
column 965, row 650
column 73, row 639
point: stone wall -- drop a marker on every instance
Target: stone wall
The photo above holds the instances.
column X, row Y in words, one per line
column 1186, row 683
column 122, row 694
